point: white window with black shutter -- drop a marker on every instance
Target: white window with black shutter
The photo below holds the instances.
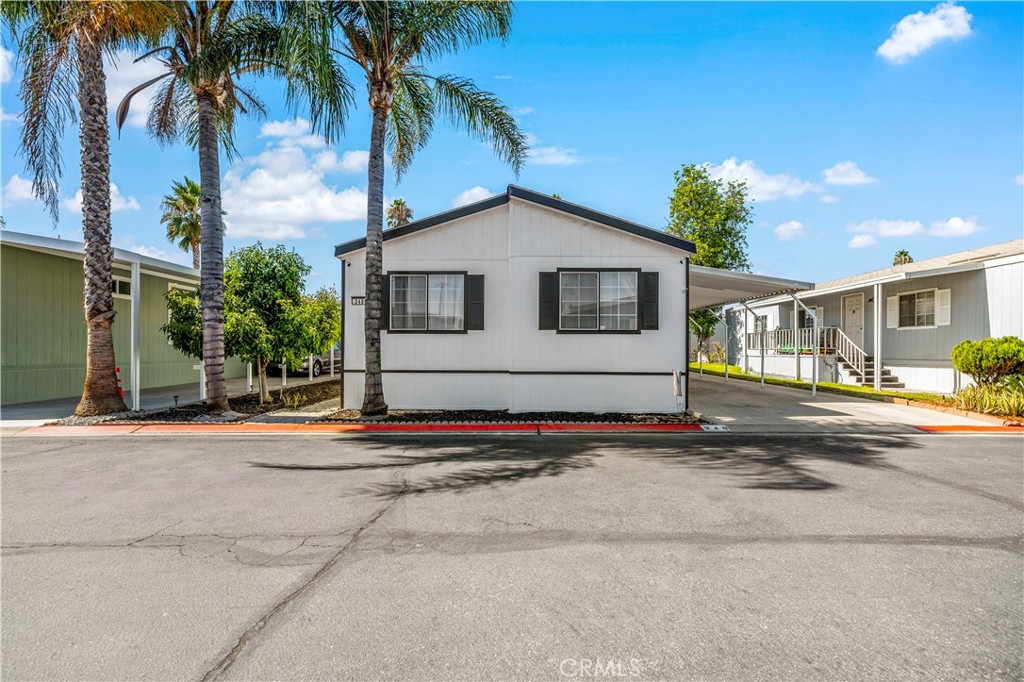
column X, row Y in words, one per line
column 598, row 301
column 433, row 302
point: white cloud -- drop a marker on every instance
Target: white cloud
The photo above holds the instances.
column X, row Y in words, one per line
column 471, row 196
column 350, row 162
column 550, row 156
column 789, row 230
column 955, row 227
column 6, row 65
column 17, row 189
column 862, row 240
column 278, row 192
column 918, row 32
column 296, row 131
column 6, row 117
column 847, row 173
column 124, row 73
column 150, row 251
column 1019, row 179
column 887, row 228
column 118, row 202
column 760, row 185
column 506, row 77
column 828, row 199
column 522, row 111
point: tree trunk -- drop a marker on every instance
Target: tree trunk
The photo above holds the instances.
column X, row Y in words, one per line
column 195, row 254
column 262, row 363
column 211, row 274
column 99, row 394
column 373, row 394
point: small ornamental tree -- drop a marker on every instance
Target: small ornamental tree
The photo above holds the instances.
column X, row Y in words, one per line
column 266, row 315
column 989, row 360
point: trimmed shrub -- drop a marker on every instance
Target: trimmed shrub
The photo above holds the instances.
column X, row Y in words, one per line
column 989, row 360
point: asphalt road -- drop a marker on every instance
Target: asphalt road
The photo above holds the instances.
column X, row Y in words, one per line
column 693, row 557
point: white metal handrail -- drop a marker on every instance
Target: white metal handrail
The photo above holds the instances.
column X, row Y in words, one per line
column 830, row 340
column 848, row 350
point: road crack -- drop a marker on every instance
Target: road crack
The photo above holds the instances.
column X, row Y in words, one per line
column 225, row 663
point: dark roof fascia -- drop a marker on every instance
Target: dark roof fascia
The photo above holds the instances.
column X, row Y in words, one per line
column 535, row 198
column 430, row 221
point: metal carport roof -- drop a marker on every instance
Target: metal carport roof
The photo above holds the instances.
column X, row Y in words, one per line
column 710, row 287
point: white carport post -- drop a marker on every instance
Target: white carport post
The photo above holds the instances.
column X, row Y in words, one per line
column 796, row 339
column 726, row 311
column 136, row 326
column 751, row 311
column 814, row 346
column 878, row 337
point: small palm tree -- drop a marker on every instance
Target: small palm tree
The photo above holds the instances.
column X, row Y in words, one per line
column 399, row 213
column 62, row 45
column 389, row 43
column 181, row 215
column 902, row 257
column 212, row 45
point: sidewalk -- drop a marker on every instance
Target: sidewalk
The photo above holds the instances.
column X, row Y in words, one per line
column 35, row 414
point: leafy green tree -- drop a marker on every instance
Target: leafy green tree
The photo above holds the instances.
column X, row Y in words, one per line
column 62, row 45
column 181, row 215
column 714, row 215
column 210, row 47
column 902, row 257
column 399, row 213
column 389, row 43
column 267, row 317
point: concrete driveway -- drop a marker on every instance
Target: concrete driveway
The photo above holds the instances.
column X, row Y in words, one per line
column 711, row 557
column 748, row 408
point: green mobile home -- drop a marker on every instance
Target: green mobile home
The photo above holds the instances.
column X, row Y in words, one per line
column 42, row 328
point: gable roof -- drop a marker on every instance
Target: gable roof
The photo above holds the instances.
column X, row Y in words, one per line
column 535, row 198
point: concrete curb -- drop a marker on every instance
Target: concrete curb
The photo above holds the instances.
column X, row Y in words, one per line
column 319, row 427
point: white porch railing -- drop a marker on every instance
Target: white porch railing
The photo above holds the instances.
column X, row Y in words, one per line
column 790, row 341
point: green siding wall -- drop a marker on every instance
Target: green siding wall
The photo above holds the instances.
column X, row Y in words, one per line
column 42, row 330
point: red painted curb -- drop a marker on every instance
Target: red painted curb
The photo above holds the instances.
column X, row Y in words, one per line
column 619, row 427
column 972, row 429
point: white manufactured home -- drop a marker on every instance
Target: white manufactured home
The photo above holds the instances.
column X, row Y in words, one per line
column 529, row 303
column 891, row 328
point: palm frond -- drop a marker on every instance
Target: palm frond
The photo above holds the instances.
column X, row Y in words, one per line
column 483, row 116
column 411, row 121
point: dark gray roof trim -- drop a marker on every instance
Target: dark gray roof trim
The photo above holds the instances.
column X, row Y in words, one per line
column 535, row 198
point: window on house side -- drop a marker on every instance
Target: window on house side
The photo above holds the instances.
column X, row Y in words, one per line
column 917, row 309
column 598, row 301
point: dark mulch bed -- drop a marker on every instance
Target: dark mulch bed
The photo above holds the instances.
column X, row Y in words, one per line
column 504, row 417
column 247, row 405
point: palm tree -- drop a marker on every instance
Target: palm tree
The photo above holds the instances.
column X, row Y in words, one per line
column 62, row 45
column 212, row 44
column 182, row 217
column 399, row 213
column 389, row 43
column 902, row 257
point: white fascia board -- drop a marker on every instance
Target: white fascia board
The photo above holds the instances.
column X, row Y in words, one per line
column 835, row 290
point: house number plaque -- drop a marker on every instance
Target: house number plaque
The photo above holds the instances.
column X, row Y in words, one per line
column 358, row 300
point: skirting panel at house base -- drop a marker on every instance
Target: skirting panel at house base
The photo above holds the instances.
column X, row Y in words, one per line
column 542, row 392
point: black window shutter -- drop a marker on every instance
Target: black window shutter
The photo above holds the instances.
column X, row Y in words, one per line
column 475, row 301
column 648, row 300
column 548, row 315
column 385, row 301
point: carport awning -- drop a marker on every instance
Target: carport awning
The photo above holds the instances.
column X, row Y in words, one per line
column 710, row 287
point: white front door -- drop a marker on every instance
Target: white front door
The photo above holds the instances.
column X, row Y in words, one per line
column 853, row 318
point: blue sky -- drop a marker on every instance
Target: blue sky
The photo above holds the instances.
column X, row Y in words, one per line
column 861, row 129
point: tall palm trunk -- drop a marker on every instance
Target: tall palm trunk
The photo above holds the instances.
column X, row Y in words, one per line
column 99, row 395
column 195, row 254
column 373, row 395
column 211, row 274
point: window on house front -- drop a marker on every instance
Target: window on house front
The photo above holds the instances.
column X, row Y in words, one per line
column 760, row 324
column 598, row 301
column 428, row 302
column 121, row 288
column 917, row 309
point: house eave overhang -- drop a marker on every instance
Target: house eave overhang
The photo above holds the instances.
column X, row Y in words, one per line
column 71, row 249
column 523, row 194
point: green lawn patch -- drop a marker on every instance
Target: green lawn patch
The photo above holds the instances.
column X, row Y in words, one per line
column 718, row 369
